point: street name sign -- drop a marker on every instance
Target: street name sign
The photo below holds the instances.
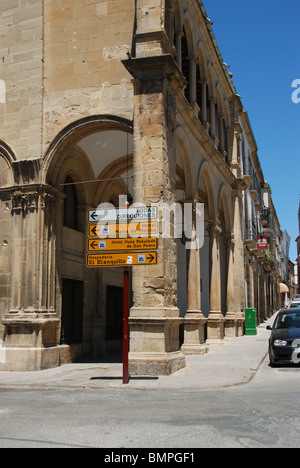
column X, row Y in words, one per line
column 132, row 229
column 121, row 259
column 122, row 244
column 123, row 214
column 262, row 243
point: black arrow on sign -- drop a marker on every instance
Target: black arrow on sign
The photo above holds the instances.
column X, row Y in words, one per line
column 94, row 230
column 96, row 216
column 94, row 245
column 151, row 258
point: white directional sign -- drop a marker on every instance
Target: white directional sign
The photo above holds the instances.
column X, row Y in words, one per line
column 123, row 214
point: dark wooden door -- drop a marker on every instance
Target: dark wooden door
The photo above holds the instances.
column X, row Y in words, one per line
column 72, row 312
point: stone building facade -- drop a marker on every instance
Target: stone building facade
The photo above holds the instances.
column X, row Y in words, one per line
column 100, row 99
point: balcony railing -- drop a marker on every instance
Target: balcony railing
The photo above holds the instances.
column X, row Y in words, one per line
column 251, row 235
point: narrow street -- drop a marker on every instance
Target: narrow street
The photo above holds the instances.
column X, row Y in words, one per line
column 263, row 413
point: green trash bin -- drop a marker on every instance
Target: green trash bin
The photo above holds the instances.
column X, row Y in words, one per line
column 250, row 322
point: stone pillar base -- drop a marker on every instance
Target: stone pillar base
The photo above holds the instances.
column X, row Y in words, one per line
column 154, row 341
column 194, row 334
column 240, row 325
column 215, row 329
column 30, row 343
column 194, row 350
column 230, row 327
column 19, row 359
column 155, row 364
column 29, row 359
column 234, row 327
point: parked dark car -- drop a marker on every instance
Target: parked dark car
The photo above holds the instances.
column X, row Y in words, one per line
column 284, row 343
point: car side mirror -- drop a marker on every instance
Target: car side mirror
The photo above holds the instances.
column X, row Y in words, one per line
column 269, row 328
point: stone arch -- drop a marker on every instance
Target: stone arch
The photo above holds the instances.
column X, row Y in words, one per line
column 210, row 83
column 187, row 56
column 6, row 177
column 80, row 151
column 226, row 127
column 73, row 163
column 224, row 216
column 206, row 196
column 189, row 36
column 73, row 133
column 172, row 19
column 184, row 153
column 2, row 92
column 7, row 158
column 200, row 74
column 114, row 171
column 218, row 113
column 206, row 177
column 224, row 205
column 201, row 63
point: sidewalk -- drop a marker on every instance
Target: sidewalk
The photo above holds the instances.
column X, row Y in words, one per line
column 233, row 363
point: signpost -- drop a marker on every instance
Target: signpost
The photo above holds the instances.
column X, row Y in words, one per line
column 126, row 327
column 123, row 236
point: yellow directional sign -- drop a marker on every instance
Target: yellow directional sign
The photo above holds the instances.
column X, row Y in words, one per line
column 121, row 259
column 132, row 229
column 95, row 245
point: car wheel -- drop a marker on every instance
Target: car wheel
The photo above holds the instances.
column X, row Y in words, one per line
column 272, row 363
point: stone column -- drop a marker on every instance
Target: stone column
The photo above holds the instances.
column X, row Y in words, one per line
column 251, row 302
column 221, row 130
column 49, row 206
column 266, row 302
column 193, row 84
column 154, row 318
column 216, row 318
column 212, row 117
column 31, row 325
column 31, row 253
column 230, row 324
column 178, row 44
column 194, row 322
column 235, row 163
column 203, row 102
column 237, row 278
column 17, row 236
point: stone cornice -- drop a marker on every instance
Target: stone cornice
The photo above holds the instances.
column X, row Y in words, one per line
column 7, row 193
column 158, row 66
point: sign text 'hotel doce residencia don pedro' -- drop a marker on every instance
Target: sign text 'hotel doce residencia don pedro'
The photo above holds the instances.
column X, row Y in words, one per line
column 95, row 245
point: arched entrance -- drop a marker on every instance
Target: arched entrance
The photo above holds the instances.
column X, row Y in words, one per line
column 90, row 162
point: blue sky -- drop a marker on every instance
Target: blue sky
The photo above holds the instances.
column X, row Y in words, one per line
column 261, row 42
